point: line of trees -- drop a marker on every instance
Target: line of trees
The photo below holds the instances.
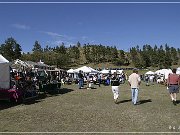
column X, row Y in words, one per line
column 62, row 56
column 162, row 57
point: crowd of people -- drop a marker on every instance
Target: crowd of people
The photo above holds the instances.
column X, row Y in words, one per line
column 97, row 78
column 30, row 81
column 114, row 80
column 89, row 80
column 134, row 81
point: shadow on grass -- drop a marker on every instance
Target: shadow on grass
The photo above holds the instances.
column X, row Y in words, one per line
column 178, row 101
column 38, row 99
column 145, row 101
column 49, row 94
column 65, row 90
column 91, row 88
column 140, row 102
column 6, row 105
column 124, row 101
column 41, row 96
column 86, row 88
column 57, row 92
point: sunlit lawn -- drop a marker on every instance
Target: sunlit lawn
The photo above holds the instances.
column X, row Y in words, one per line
column 94, row 110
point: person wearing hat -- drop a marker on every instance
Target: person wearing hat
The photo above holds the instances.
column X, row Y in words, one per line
column 134, row 81
column 115, row 86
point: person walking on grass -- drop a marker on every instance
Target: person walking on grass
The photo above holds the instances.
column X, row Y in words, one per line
column 134, row 81
column 115, row 87
column 80, row 76
column 173, row 83
column 88, row 80
column 99, row 79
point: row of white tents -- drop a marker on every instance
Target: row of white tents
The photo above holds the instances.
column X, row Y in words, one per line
column 163, row 72
column 86, row 69
column 5, row 75
column 159, row 72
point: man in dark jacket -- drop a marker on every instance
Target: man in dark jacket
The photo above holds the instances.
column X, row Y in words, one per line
column 115, row 86
column 80, row 76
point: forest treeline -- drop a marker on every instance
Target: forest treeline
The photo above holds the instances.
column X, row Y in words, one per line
column 63, row 57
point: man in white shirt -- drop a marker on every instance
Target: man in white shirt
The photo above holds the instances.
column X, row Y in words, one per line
column 134, row 82
column 151, row 79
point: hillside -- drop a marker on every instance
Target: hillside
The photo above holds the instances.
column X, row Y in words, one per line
column 96, row 56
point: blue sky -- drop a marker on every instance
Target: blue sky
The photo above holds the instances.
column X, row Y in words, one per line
column 124, row 25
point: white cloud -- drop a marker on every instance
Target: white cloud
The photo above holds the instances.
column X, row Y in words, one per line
column 84, row 38
column 87, row 39
column 59, row 42
column 21, row 26
column 58, row 38
column 93, row 41
column 53, row 34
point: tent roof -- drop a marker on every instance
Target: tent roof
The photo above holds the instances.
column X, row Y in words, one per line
column 163, row 71
column 149, row 73
column 118, row 71
column 95, row 71
column 104, row 71
column 70, row 71
column 3, row 60
column 86, row 69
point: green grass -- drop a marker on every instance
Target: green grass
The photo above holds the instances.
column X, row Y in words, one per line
column 95, row 111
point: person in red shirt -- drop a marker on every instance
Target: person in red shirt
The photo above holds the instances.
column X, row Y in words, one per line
column 173, row 83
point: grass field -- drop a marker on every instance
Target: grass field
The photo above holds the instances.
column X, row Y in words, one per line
column 94, row 110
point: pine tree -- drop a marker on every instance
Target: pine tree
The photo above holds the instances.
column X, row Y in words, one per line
column 174, row 55
column 78, row 44
column 37, row 52
column 11, row 50
column 37, row 47
column 17, row 51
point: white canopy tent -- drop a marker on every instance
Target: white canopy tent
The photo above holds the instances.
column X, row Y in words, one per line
column 117, row 71
column 120, row 71
column 3, row 60
column 113, row 71
column 167, row 72
column 70, row 71
column 4, row 73
column 158, row 72
column 94, row 71
column 164, row 72
column 104, row 71
column 149, row 73
column 86, row 69
column 178, row 71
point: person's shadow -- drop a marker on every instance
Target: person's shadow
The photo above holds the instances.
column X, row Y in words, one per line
column 145, row 101
column 140, row 102
column 178, row 101
column 124, row 101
